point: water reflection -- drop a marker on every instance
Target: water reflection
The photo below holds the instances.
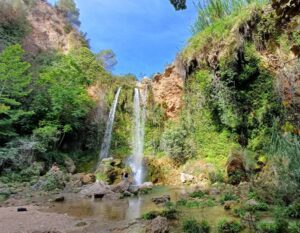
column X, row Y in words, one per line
column 116, row 210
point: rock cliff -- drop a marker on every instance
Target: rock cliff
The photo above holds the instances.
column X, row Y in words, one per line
column 168, row 89
column 49, row 29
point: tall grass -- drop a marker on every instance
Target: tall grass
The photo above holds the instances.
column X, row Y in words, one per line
column 209, row 11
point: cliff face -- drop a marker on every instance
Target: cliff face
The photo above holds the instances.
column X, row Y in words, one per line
column 49, row 30
column 168, row 89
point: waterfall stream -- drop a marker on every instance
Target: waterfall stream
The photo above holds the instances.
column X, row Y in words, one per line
column 136, row 162
column 104, row 153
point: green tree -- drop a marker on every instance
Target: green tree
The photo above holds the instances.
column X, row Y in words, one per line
column 14, row 83
column 108, row 59
column 70, row 10
column 179, row 4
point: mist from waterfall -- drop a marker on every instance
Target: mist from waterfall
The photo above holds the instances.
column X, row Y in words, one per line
column 104, row 153
column 139, row 117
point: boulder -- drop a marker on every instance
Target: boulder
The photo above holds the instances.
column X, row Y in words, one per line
column 148, row 185
column 70, row 165
column 236, row 169
column 59, row 198
column 186, row 178
column 88, row 178
column 134, row 189
column 252, row 203
column 121, row 187
column 161, row 200
column 158, row 225
column 214, row 191
column 97, row 189
column 229, row 204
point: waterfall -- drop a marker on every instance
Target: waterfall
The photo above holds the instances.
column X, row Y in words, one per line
column 109, row 126
column 138, row 136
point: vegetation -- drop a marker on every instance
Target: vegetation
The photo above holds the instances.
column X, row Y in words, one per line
column 210, row 11
column 193, row 226
column 228, row 226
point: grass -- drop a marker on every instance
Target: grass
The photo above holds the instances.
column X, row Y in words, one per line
column 194, row 204
column 220, row 29
column 193, row 226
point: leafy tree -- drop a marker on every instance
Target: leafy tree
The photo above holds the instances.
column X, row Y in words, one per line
column 108, row 59
column 70, row 10
column 14, row 82
column 13, row 23
column 179, row 4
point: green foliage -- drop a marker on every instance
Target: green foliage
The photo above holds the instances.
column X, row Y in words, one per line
column 265, row 30
column 170, row 213
column 176, row 142
column 70, row 10
column 197, row 194
column 284, row 177
column 14, row 86
column 108, row 59
column 193, row 226
column 294, row 227
column 293, row 209
column 193, row 204
column 229, row 226
column 150, row 215
column 13, row 22
column 52, row 181
column 228, row 197
column 210, row 11
column 179, row 4
column 279, row 226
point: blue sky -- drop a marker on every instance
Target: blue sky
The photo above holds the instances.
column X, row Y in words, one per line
column 146, row 35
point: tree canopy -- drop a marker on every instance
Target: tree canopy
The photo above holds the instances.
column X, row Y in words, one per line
column 179, row 4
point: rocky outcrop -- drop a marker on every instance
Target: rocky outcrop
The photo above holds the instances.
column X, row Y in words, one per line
column 168, row 89
column 49, row 30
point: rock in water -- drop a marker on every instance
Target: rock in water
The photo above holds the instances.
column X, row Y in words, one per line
column 21, row 209
column 161, row 200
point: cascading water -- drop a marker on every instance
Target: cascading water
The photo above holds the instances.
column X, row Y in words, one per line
column 136, row 162
column 109, row 126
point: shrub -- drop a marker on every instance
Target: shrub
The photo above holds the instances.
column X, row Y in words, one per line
column 197, row 194
column 279, row 226
column 294, row 227
column 239, row 212
column 52, row 181
column 150, row 215
column 193, row 226
column 169, row 213
column 177, row 144
column 293, row 210
column 229, row 226
column 227, row 197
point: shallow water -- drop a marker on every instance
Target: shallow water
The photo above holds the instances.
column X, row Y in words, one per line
column 117, row 210
column 128, row 209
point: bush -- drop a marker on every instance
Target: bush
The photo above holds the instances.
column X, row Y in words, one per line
column 193, row 226
column 293, row 210
column 169, row 213
column 52, row 181
column 197, row 194
column 150, row 215
column 177, row 144
column 229, row 226
column 294, row 227
column 227, row 197
column 279, row 226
